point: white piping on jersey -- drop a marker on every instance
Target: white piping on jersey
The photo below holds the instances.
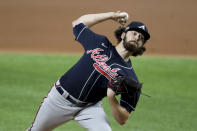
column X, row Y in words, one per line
column 91, row 88
column 86, row 83
column 121, row 66
column 80, row 32
column 90, row 77
column 116, row 63
column 109, row 56
column 128, row 104
column 103, row 44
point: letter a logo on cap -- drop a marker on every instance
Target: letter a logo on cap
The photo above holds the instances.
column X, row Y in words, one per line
column 142, row 27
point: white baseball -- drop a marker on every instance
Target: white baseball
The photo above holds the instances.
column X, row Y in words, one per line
column 126, row 16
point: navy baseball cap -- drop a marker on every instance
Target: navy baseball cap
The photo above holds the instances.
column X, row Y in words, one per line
column 139, row 27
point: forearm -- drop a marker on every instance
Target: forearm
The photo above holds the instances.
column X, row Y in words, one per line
column 92, row 19
column 120, row 114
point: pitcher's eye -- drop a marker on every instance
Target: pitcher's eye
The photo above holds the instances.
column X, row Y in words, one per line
column 142, row 37
column 134, row 33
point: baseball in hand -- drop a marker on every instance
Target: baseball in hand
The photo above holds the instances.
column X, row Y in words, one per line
column 126, row 16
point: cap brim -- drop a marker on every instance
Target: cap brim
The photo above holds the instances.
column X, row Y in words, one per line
column 146, row 34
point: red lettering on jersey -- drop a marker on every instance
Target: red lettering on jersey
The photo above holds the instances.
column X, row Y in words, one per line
column 96, row 66
column 101, row 65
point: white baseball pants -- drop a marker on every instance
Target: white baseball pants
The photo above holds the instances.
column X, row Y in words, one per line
column 56, row 110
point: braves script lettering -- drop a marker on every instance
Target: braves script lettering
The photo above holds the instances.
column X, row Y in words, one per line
column 101, row 65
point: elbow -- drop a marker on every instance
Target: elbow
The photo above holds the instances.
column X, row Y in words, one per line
column 78, row 21
column 75, row 22
column 123, row 121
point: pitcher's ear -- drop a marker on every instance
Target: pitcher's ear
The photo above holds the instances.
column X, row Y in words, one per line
column 123, row 35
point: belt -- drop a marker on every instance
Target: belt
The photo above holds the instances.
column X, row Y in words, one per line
column 70, row 98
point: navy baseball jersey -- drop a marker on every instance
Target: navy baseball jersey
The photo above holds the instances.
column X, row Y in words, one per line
column 87, row 79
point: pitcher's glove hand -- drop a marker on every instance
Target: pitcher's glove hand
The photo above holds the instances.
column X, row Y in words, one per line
column 124, row 84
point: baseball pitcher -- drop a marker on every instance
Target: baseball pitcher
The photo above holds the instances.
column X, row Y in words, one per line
column 103, row 70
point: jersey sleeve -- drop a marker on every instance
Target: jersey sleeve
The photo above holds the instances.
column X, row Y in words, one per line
column 129, row 102
column 87, row 37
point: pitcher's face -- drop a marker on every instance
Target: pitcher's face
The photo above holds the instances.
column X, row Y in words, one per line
column 133, row 40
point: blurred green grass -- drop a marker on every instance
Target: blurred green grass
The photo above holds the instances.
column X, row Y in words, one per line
column 26, row 78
